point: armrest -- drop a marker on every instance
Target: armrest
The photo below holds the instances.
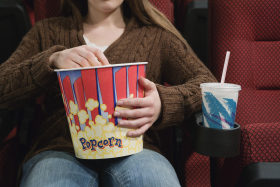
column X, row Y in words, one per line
column 8, row 121
column 260, row 142
column 260, row 174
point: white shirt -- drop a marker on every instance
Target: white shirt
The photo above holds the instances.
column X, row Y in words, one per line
column 93, row 44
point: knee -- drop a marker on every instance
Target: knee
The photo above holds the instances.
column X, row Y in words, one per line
column 52, row 169
column 51, row 160
column 146, row 168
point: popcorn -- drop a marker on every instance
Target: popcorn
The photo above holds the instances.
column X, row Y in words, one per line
column 110, row 127
column 73, row 108
column 100, row 120
column 103, row 107
column 91, row 123
column 91, row 104
column 83, row 116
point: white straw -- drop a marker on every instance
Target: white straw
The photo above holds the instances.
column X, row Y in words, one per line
column 225, row 68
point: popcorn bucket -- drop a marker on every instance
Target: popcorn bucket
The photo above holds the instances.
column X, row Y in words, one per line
column 90, row 96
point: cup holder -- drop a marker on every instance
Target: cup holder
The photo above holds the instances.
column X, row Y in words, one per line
column 217, row 142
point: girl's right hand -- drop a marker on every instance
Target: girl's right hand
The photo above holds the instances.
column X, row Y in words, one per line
column 77, row 57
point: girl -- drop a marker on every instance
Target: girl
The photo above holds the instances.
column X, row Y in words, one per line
column 94, row 33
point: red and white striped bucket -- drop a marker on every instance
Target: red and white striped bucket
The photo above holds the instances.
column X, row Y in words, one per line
column 90, row 96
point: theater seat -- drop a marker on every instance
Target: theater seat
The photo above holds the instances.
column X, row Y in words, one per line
column 15, row 23
column 250, row 30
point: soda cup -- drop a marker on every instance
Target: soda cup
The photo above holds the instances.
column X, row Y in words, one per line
column 90, row 96
column 219, row 104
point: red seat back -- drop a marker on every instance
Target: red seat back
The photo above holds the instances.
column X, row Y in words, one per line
column 250, row 30
column 46, row 9
column 166, row 7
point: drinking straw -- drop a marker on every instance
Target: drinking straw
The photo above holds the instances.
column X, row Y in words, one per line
column 225, row 68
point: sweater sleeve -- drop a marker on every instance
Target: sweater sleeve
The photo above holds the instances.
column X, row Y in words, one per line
column 26, row 74
column 184, row 72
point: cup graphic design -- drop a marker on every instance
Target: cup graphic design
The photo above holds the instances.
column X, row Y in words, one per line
column 219, row 104
column 90, row 96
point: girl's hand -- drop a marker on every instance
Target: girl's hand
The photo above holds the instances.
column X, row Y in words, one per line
column 144, row 116
column 77, row 57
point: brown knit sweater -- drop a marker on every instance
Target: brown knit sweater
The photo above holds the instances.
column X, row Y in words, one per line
column 26, row 75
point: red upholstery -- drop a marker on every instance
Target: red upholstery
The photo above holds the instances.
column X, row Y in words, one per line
column 196, row 166
column 30, row 9
column 46, row 9
column 166, row 7
column 267, row 52
column 250, row 30
column 261, row 143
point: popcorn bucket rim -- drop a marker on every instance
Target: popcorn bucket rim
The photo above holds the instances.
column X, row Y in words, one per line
column 107, row 66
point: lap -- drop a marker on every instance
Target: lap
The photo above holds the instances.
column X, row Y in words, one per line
column 52, row 168
column 147, row 168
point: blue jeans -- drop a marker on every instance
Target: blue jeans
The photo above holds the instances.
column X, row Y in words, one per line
column 54, row 169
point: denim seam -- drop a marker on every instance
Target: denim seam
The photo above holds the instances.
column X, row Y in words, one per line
column 91, row 182
column 113, row 177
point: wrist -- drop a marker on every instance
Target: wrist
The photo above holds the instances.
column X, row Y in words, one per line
column 52, row 59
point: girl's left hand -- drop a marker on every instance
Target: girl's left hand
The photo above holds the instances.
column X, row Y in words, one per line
column 147, row 111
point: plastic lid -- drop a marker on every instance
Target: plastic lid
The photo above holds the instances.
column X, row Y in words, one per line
column 218, row 86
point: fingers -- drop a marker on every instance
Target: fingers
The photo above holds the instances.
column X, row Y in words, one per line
column 137, row 102
column 77, row 57
column 98, row 54
column 138, row 132
column 147, row 84
column 87, row 56
column 137, row 125
column 139, row 117
column 62, row 60
column 133, row 123
column 135, row 113
column 79, row 60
